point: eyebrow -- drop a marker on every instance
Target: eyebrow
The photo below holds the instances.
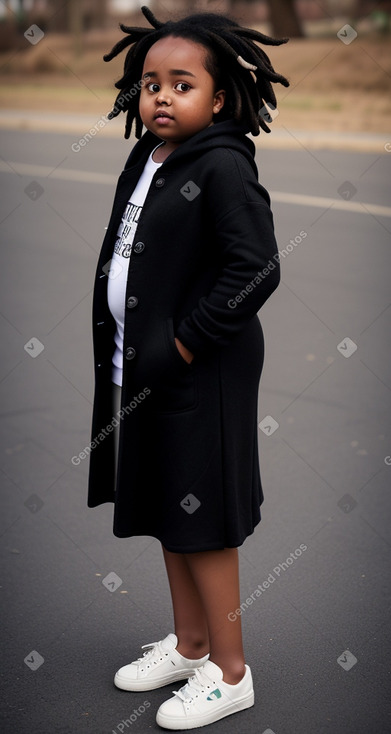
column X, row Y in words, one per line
column 175, row 72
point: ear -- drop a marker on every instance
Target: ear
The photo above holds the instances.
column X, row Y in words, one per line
column 219, row 99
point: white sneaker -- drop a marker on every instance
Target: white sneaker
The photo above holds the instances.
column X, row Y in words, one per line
column 162, row 664
column 205, row 698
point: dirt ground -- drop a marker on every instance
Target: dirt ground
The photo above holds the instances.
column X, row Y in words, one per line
column 336, row 87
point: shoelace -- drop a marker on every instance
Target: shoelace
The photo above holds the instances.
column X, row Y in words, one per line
column 156, row 652
column 194, row 686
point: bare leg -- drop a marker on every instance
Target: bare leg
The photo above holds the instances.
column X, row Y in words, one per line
column 216, row 577
column 190, row 622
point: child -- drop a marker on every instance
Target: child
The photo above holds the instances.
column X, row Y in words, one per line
column 188, row 260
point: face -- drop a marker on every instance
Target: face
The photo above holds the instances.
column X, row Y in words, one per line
column 178, row 86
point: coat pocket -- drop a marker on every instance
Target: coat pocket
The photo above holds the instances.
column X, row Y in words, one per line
column 176, row 388
column 172, row 347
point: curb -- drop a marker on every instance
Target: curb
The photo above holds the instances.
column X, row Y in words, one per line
column 80, row 125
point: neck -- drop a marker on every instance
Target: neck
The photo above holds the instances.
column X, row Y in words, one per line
column 163, row 151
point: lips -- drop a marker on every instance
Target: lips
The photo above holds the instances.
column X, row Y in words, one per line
column 162, row 113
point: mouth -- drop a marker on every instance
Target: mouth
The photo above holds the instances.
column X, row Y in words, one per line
column 162, row 116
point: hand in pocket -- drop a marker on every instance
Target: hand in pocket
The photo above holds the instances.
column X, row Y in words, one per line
column 183, row 351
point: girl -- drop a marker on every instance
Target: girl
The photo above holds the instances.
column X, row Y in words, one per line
column 188, row 260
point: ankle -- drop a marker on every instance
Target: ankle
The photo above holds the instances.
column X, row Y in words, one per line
column 192, row 648
column 232, row 673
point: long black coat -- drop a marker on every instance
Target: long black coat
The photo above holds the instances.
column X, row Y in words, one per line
column 204, row 261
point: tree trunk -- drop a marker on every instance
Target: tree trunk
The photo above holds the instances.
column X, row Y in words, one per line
column 57, row 19
column 100, row 15
column 284, row 19
column 75, row 25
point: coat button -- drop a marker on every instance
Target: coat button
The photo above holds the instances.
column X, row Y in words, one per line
column 160, row 182
column 130, row 353
column 139, row 246
column 132, row 302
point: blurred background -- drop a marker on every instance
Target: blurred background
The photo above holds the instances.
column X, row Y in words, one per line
column 318, row 641
column 339, row 81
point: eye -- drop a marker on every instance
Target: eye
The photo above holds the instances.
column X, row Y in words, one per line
column 182, row 84
column 153, row 84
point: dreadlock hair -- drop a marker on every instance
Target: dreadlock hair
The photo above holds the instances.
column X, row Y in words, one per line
column 233, row 59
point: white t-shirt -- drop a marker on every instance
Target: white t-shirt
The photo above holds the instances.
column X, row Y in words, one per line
column 119, row 266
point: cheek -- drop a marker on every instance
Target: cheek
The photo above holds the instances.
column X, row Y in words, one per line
column 202, row 112
column 204, row 102
column 143, row 103
column 195, row 103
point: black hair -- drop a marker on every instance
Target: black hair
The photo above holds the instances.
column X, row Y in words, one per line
column 235, row 62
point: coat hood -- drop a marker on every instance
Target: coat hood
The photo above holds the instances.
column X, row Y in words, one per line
column 227, row 134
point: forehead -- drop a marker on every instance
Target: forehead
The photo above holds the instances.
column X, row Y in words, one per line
column 171, row 51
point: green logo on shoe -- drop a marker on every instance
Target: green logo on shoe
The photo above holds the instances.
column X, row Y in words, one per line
column 215, row 694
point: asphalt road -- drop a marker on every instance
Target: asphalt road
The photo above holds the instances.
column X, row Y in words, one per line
column 318, row 638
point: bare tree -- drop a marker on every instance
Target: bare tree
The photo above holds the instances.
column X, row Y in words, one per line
column 57, row 18
column 8, row 10
column 63, row 16
column 284, row 19
column 100, row 13
column 75, row 25
column 283, row 16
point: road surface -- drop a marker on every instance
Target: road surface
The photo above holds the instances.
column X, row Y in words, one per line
column 317, row 638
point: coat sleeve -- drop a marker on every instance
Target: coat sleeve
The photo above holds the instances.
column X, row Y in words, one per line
column 250, row 269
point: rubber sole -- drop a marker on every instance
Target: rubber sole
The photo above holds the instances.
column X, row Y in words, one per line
column 193, row 722
column 150, row 685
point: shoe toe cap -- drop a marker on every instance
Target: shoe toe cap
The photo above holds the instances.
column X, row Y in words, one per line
column 172, row 707
column 126, row 673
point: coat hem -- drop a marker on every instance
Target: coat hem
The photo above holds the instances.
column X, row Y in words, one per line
column 97, row 503
column 198, row 549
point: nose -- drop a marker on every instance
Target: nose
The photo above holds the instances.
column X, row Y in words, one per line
column 163, row 97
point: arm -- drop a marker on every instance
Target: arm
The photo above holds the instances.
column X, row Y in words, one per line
column 249, row 274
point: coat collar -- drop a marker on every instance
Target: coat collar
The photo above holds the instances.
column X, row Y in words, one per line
column 226, row 134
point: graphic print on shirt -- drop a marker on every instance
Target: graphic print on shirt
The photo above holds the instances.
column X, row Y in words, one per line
column 126, row 230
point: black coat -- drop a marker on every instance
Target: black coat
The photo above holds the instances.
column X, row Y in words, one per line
column 188, row 468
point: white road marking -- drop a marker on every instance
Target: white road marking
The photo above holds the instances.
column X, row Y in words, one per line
column 63, row 174
column 72, row 174
column 324, row 202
